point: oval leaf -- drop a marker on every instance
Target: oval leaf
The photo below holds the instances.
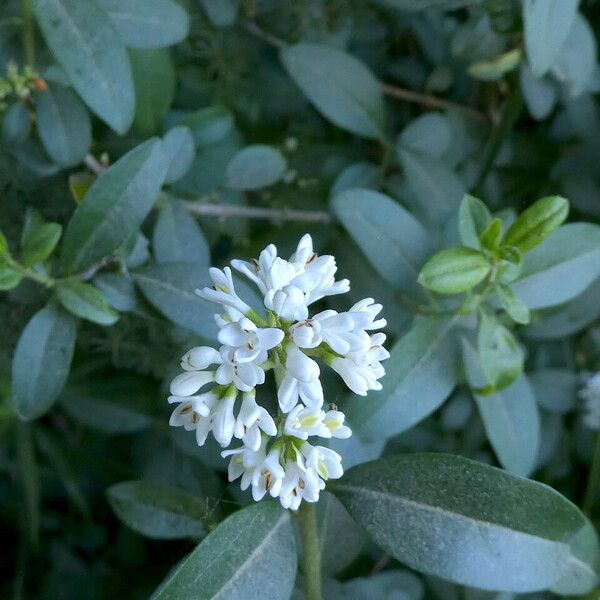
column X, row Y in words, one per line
column 464, row 521
column 42, row 361
column 157, row 510
column 254, row 549
column 84, row 41
column 341, row 88
column 395, row 243
column 255, row 167
column 114, row 207
column 87, row 302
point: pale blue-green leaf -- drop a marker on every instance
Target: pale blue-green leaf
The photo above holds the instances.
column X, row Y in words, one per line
column 463, row 521
column 178, row 239
column 339, row 86
column 118, row 290
column 539, row 94
column 16, row 123
column 547, row 25
column 255, row 167
column 359, row 175
column 457, row 411
column 222, row 13
column 209, row 125
column 510, row 417
column 158, row 511
column 84, row 41
column 63, row 124
column 33, row 157
column 148, row 23
column 179, row 149
column 389, row 585
column 576, row 62
column 429, row 134
column 170, row 288
column 421, row 373
column 254, row 549
column 395, row 243
column 154, row 81
column 436, row 189
column 114, row 207
column 42, row 361
column 555, row 389
column 108, row 415
column 567, row 319
column 560, row 268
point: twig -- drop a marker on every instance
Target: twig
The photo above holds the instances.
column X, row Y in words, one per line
column 226, row 211
column 387, row 88
column 28, row 34
column 429, row 101
column 93, row 164
column 259, row 32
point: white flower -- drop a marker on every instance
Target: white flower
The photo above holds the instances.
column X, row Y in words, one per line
column 245, row 376
column 325, row 461
column 276, row 457
column 302, row 422
column 338, row 330
column 288, row 302
column 249, row 342
column 251, row 420
column 361, row 370
column 300, row 382
column 223, row 291
column 591, row 396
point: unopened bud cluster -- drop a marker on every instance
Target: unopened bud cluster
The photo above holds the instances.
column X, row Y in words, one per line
column 275, row 456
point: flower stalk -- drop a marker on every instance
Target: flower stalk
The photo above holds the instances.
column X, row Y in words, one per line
column 311, row 551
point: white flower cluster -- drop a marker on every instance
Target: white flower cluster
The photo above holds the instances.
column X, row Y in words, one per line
column 275, row 456
column 591, row 397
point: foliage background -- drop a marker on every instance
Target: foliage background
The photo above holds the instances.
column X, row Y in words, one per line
column 422, row 100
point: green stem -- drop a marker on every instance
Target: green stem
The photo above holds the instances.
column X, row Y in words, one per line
column 593, row 479
column 28, row 33
column 510, row 115
column 311, row 551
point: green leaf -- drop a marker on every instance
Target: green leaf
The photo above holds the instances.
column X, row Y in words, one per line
column 436, row 188
column 515, row 308
column 105, row 410
column 40, row 243
column 540, row 95
column 422, row 366
column 118, row 290
column 358, row 175
column 555, row 389
column 473, row 218
column 547, row 25
column 209, row 125
column 490, row 236
column 148, row 23
column 510, row 417
column 154, row 83
column 114, row 207
column 170, row 288
column 390, row 585
column 463, row 521
column 177, row 238
column 429, row 134
column 255, row 167
column 254, row 549
column 85, row 301
column 16, row 123
column 85, row 43
column 63, row 124
column 42, row 360
column 454, row 270
column 536, row 223
column 500, row 354
column 157, row 510
column 222, row 13
column 4, row 250
column 493, row 69
column 9, row 278
column 560, row 268
column 180, row 151
column 340, row 87
column 395, row 243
